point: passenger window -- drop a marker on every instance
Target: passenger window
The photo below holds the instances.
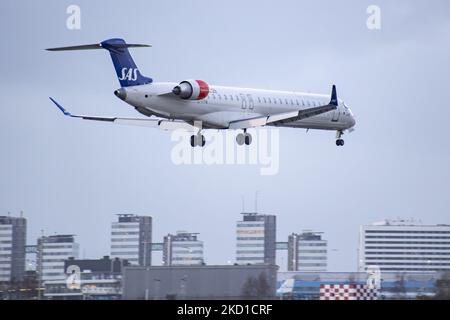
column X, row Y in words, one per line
column 225, row 97
column 270, row 101
column 259, row 100
column 264, row 100
column 237, row 98
column 292, row 102
column 296, row 101
column 275, row 101
column 220, row 97
column 231, row 97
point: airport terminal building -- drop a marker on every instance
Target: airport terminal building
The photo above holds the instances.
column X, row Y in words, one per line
column 404, row 246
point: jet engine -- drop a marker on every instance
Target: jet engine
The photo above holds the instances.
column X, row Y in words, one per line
column 191, row 90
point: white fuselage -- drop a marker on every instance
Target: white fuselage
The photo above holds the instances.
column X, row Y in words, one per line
column 227, row 104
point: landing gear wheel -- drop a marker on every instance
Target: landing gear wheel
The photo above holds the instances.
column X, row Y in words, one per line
column 244, row 138
column 198, row 140
column 339, row 140
column 203, row 141
column 240, row 139
column 248, row 139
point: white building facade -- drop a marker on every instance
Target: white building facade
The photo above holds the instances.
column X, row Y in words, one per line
column 183, row 248
column 404, row 245
column 256, row 239
column 307, row 251
column 52, row 251
column 131, row 239
column 12, row 248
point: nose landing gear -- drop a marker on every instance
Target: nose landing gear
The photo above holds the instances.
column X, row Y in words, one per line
column 339, row 140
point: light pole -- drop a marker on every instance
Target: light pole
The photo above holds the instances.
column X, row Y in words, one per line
column 147, row 270
column 157, row 284
column 183, row 285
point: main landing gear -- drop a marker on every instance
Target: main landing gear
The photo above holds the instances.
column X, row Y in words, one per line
column 245, row 137
column 198, row 140
column 339, row 140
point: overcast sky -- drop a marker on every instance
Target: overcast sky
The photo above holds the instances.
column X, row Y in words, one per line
column 73, row 176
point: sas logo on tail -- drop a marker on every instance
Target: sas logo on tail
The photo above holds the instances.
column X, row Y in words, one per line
column 129, row 74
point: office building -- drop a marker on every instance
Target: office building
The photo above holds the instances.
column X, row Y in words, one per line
column 131, row 239
column 404, row 245
column 183, row 248
column 13, row 232
column 256, row 239
column 52, row 251
column 307, row 252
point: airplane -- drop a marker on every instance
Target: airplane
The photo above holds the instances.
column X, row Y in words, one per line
column 196, row 105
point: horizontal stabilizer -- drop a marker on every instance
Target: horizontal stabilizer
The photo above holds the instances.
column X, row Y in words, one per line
column 99, row 46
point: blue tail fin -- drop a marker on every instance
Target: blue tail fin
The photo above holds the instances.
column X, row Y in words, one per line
column 126, row 70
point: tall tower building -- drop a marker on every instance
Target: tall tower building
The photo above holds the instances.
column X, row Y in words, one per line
column 131, row 239
column 13, row 234
column 404, row 245
column 52, row 251
column 307, row 251
column 256, row 239
column 183, row 248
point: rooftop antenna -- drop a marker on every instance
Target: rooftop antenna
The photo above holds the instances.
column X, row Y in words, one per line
column 21, row 213
column 256, row 201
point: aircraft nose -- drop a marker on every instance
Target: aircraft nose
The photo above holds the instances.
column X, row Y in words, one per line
column 121, row 93
column 352, row 121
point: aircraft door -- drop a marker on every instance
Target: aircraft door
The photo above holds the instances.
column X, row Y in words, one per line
column 244, row 102
column 335, row 115
column 251, row 103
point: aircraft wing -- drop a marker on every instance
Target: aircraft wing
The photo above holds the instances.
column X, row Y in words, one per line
column 281, row 118
column 141, row 122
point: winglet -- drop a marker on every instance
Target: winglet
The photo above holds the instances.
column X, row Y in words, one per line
column 334, row 98
column 60, row 107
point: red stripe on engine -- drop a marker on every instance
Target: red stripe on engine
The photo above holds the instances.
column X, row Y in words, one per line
column 204, row 89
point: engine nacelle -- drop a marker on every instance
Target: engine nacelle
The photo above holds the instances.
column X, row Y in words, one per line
column 192, row 90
